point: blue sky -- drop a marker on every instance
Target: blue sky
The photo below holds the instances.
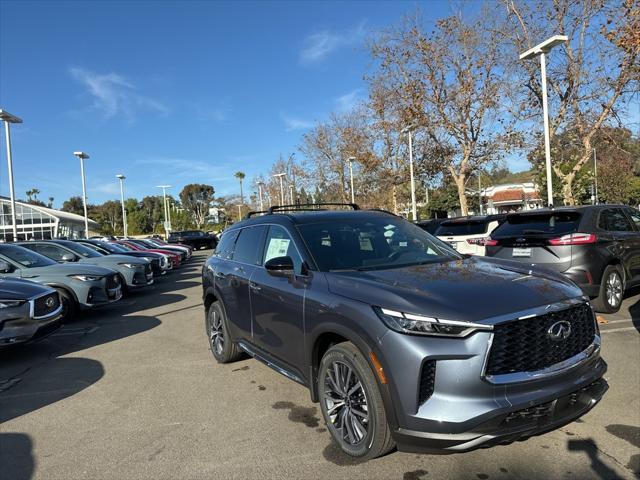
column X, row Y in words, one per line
column 175, row 92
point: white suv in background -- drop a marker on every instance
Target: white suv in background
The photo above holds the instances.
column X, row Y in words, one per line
column 468, row 234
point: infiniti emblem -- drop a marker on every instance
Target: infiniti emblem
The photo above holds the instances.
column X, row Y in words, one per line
column 50, row 302
column 559, row 331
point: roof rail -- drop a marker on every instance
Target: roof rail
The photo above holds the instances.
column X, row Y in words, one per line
column 382, row 210
column 252, row 213
column 305, row 207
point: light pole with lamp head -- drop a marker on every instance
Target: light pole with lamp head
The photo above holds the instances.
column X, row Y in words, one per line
column 353, row 195
column 280, row 175
column 83, row 156
column 541, row 50
column 167, row 225
column 124, row 212
column 414, row 208
column 7, row 118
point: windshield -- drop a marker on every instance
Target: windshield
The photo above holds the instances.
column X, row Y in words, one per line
column 556, row 223
column 462, row 228
column 25, row 257
column 113, row 248
column 125, row 247
column 372, row 243
column 82, row 250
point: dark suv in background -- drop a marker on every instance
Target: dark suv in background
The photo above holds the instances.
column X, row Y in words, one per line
column 598, row 247
column 401, row 339
column 196, row 239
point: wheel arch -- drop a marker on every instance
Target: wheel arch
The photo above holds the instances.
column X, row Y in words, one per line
column 66, row 288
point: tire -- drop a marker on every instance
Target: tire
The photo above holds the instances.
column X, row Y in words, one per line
column 360, row 432
column 611, row 293
column 69, row 306
column 222, row 348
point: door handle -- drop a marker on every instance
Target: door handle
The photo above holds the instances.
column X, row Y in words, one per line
column 255, row 287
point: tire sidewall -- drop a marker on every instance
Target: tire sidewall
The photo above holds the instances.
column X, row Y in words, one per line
column 603, row 301
column 366, row 379
column 227, row 353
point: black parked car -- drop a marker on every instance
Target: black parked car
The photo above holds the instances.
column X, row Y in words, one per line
column 194, row 238
column 401, row 339
column 598, row 247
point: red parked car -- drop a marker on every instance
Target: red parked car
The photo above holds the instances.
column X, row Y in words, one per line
column 175, row 258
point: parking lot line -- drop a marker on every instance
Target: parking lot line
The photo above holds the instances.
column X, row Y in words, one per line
column 624, row 320
column 623, row 329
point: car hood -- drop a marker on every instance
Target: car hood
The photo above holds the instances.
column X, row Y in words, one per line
column 14, row 289
column 112, row 261
column 65, row 269
column 471, row 289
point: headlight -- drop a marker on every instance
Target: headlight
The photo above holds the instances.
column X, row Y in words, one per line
column 11, row 303
column 86, row 278
column 130, row 265
column 422, row 325
column 148, row 259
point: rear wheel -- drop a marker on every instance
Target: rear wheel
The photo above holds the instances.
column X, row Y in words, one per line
column 223, row 349
column 611, row 290
column 351, row 403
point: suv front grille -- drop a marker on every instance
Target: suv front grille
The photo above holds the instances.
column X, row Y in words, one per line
column 526, row 346
column 46, row 305
column 427, row 381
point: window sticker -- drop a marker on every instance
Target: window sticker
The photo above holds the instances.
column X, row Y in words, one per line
column 365, row 244
column 278, row 247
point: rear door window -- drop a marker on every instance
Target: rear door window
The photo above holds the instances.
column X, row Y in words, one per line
column 226, row 244
column 458, row 228
column 249, row 245
column 614, row 220
column 551, row 223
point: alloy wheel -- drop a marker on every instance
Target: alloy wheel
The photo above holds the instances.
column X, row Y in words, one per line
column 614, row 289
column 346, row 403
column 216, row 337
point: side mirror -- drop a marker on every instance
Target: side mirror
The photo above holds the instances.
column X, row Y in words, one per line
column 5, row 267
column 68, row 257
column 280, row 266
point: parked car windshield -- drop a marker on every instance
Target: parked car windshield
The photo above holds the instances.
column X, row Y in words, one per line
column 109, row 247
column 462, row 227
column 372, row 243
column 548, row 223
column 82, row 250
column 25, row 257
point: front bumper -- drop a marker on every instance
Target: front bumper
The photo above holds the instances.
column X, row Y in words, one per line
column 22, row 330
column 505, row 428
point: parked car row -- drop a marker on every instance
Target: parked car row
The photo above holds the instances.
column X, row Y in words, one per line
column 44, row 283
column 596, row 246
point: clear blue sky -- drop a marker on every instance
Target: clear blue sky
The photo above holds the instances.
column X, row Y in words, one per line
column 175, row 92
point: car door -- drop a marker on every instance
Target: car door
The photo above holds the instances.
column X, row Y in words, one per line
column 222, row 270
column 633, row 239
column 277, row 303
column 625, row 240
column 247, row 256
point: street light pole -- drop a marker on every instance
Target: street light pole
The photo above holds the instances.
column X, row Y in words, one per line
column 280, row 175
column 595, row 175
column 353, row 193
column 167, row 225
column 414, row 208
column 8, row 118
column 260, row 194
column 480, row 190
column 541, row 50
column 124, row 212
column 82, row 156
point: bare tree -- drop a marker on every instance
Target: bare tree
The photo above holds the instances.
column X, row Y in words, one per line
column 591, row 79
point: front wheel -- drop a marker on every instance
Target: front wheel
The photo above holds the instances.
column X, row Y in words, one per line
column 351, row 403
column 69, row 306
column 609, row 299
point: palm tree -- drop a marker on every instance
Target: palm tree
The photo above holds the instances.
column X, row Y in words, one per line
column 35, row 192
column 50, row 205
column 240, row 176
column 29, row 195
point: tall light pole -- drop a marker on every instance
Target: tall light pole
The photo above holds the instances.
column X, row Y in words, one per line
column 7, row 118
column 595, row 177
column 541, row 50
column 291, row 200
column 124, row 212
column 83, row 156
column 353, row 193
column 414, row 207
column 480, row 190
column 167, row 225
column 260, row 184
column 280, row 175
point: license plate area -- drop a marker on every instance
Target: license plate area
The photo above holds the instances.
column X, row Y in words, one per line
column 521, row 252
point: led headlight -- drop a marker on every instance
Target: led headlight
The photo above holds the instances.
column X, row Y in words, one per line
column 86, row 278
column 423, row 325
column 130, row 265
column 11, row 303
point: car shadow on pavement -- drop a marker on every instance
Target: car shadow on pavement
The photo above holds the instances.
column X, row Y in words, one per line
column 16, row 456
column 590, row 447
column 634, row 309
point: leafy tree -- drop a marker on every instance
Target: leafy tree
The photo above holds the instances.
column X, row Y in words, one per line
column 196, row 199
column 73, row 205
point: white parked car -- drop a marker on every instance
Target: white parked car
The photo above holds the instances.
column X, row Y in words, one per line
column 468, row 234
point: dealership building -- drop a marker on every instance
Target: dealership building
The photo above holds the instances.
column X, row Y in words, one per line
column 36, row 222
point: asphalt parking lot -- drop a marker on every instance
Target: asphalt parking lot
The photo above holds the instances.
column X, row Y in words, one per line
column 132, row 392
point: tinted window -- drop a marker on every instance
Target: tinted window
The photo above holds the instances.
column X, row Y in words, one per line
column 368, row 243
column 556, row 223
column 226, row 244
column 614, row 220
column 25, row 257
column 280, row 244
column 249, row 245
column 83, row 250
column 461, row 228
column 635, row 217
